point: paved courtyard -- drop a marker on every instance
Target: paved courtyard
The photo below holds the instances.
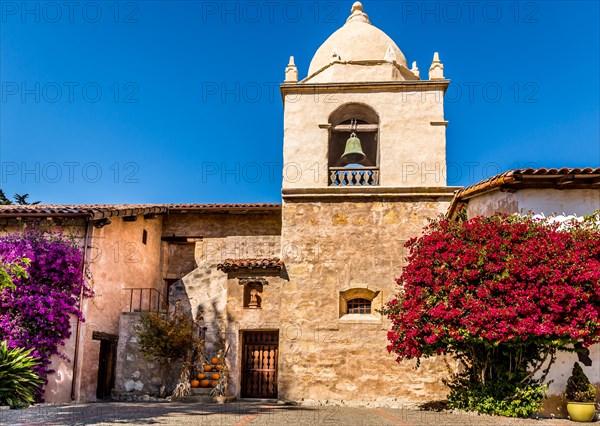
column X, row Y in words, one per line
column 244, row 413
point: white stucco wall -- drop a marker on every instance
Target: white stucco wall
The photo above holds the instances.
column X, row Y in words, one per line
column 547, row 201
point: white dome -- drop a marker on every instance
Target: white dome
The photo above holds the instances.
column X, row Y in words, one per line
column 356, row 41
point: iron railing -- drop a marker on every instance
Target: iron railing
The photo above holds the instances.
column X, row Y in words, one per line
column 146, row 300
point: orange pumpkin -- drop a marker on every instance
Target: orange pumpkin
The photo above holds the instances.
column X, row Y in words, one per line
column 213, row 383
column 204, row 383
column 214, row 376
column 208, row 368
column 215, row 361
column 201, row 376
column 195, row 383
column 219, row 367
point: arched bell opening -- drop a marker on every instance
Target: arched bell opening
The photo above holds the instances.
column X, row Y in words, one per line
column 353, row 155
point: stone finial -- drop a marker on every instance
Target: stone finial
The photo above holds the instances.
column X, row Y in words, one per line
column 415, row 69
column 291, row 72
column 358, row 14
column 436, row 70
column 390, row 54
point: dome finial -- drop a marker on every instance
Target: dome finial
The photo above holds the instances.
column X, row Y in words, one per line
column 358, row 14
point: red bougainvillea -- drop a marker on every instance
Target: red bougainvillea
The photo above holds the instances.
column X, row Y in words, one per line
column 498, row 289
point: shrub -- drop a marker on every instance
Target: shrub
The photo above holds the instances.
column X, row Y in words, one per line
column 42, row 293
column 167, row 337
column 501, row 294
column 579, row 388
column 19, row 383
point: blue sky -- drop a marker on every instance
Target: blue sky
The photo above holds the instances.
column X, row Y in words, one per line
column 160, row 102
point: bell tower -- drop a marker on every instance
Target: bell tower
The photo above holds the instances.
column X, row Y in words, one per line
column 362, row 118
column 364, row 162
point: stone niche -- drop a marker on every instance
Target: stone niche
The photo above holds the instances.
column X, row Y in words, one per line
column 253, row 292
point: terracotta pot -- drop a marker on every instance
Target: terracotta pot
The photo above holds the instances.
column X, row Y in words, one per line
column 215, row 361
column 195, row 383
column 581, row 411
column 213, row 383
column 214, row 376
column 201, row 376
column 219, row 367
column 208, row 368
column 204, row 383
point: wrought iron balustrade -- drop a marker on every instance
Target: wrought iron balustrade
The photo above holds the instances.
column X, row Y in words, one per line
column 146, row 300
column 360, row 176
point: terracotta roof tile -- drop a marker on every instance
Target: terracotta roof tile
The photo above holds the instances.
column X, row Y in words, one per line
column 234, row 264
column 99, row 211
column 516, row 178
column 199, row 208
column 93, row 211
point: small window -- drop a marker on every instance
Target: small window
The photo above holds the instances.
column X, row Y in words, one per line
column 144, row 237
column 359, row 306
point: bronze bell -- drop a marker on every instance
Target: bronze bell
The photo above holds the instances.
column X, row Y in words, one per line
column 353, row 154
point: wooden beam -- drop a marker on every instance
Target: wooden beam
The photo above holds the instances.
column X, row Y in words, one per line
column 359, row 128
column 98, row 335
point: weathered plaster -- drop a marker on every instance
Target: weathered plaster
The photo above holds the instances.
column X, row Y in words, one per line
column 119, row 260
column 547, row 201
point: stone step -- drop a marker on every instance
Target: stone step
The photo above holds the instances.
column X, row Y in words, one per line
column 206, row 399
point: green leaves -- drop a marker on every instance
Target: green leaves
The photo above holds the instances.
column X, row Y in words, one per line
column 579, row 388
column 18, row 381
column 166, row 337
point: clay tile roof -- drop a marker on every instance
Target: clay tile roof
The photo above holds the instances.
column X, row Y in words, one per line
column 229, row 265
column 92, row 211
column 532, row 178
column 240, row 207
column 100, row 211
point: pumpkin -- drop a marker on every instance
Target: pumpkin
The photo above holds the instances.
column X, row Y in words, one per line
column 201, row 376
column 213, row 383
column 208, row 368
column 219, row 367
column 214, row 376
column 215, row 361
column 204, row 383
column 195, row 383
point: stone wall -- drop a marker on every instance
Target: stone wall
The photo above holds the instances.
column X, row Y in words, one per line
column 216, row 296
column 332, row 246
column 135, row 374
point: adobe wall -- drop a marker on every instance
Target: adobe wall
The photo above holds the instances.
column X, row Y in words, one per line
column 412, row 134
column 119, row 261
column 547, row 201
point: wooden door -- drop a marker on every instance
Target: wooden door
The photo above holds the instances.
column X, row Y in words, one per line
column 260, row 351
column 106, row 368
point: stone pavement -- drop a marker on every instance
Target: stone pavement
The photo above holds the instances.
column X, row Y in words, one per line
column 241, row 413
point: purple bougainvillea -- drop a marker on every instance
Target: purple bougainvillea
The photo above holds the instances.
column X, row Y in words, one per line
column 35, row 313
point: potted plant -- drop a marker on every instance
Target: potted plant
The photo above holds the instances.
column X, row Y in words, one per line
column 581, row 396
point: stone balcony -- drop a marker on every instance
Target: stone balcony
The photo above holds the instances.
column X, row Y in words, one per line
column 359, row 176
